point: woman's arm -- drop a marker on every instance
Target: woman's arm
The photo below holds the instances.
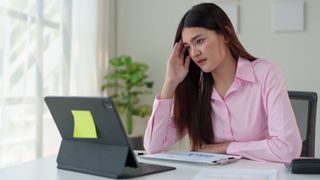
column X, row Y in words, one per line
column 177, row 70
column 284, row 141
column 215, row 148
column 161, row 131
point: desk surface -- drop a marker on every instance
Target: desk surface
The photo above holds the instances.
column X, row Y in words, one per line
column 45, row 168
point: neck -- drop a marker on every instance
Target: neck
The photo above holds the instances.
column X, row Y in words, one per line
column 224, row 74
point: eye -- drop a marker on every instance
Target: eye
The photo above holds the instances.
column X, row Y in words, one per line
column 187, row 48
column 200, row 41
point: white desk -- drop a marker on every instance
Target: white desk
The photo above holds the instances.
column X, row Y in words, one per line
column 45, row 168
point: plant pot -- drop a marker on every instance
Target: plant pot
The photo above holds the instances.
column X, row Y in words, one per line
column 136, row 142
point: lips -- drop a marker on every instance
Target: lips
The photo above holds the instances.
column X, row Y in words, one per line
column 201, row 61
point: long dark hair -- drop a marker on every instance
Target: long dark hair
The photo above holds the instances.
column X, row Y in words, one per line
column 192, row 99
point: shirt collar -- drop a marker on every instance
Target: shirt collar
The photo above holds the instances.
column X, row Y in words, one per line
column 245, row 70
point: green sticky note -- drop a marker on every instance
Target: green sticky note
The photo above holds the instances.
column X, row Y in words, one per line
column 84, row 126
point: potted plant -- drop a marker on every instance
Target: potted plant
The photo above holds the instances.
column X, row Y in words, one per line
column 126, row 82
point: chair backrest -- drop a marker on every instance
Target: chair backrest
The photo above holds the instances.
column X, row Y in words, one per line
column 304, row 105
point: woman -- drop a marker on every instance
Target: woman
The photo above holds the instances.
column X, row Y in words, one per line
column 226, row 100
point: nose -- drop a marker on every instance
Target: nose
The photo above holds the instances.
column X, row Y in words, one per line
column 194, row 52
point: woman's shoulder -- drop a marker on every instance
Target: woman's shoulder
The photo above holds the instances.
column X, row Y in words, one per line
column 262, row 63
column 262, row 66
column 265, row 67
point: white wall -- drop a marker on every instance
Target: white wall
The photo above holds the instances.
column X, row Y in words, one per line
column 146, row 29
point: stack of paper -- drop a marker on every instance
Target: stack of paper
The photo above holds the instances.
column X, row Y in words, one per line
column 194, row 157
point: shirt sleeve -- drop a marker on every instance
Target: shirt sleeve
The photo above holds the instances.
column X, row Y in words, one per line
column 284, row 141
column 161, row 131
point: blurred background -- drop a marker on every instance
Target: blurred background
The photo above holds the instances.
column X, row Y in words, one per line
column 62, row 47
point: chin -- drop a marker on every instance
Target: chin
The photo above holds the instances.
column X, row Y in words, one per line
column 206, row 70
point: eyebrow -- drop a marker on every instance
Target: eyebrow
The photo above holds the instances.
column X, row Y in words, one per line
column 194, row 38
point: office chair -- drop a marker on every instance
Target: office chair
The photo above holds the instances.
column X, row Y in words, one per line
column 304, row 105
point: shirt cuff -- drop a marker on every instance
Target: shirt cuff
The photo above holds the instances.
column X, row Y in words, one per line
column 233, row 148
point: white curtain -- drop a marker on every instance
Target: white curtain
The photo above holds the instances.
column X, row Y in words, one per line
column 83, row 76
column 52, row 47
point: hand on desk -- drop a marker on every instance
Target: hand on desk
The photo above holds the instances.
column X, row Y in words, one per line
column 215, row 148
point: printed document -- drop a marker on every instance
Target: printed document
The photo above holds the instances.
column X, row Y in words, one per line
column 193, row 157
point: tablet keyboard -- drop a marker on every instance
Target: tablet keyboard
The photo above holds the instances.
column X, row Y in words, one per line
column 144, row 169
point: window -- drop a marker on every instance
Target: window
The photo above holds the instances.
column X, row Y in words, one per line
column 44, row 46
column 30, row 51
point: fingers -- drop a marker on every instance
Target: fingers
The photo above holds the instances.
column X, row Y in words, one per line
column 175, row 47
column 179, row 49
column 182, row 52
column 187, row 62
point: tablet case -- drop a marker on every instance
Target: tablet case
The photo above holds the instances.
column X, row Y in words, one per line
column 105, row 160
column 107, row 155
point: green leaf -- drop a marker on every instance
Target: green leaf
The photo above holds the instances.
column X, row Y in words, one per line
column 125, row 60
column 127, row 79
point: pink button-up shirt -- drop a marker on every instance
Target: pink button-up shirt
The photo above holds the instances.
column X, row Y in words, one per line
column 255, row 116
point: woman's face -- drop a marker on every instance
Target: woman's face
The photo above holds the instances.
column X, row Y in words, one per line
column 206, row 48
